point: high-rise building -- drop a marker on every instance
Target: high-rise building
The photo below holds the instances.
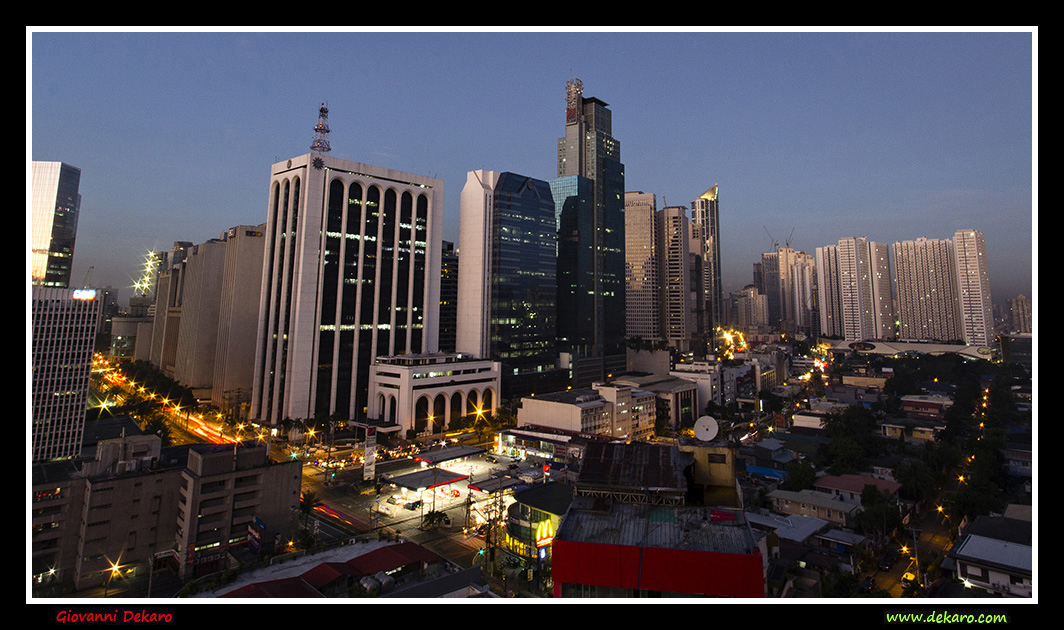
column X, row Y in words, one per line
column 589, row 151
column 238, row 316
column 351, row 273
column 855, row 287
column 673, row 253
column 56, row 204
column 925, row 280
column 448, row 297
column 63, row 330
column 507, row 287
column 642, row 319
column 1020, row 317
column 705, row 212
column 973, row 288
column 801, row 295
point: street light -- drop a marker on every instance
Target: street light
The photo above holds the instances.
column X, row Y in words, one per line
column 113, row 572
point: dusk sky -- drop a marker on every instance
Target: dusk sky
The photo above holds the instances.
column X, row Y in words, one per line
column 811, row 136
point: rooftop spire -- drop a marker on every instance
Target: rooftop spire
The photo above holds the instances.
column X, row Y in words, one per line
column 320, row 143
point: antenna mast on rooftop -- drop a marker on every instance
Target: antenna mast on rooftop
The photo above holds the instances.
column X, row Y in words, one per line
column 320, row 143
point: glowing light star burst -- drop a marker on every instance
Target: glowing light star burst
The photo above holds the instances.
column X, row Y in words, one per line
column 732, row 341
column 143, row 285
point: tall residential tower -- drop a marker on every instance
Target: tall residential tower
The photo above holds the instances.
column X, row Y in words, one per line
column 973, row 288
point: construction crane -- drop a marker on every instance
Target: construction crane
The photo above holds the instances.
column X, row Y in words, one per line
column 85, row 278
column 775, row 243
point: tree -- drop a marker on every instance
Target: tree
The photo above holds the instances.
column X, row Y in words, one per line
column 307, row 502
column 434, row 519
column 800, row 476
column 156, row 423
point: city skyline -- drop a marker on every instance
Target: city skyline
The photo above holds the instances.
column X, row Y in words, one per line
column 811, row 137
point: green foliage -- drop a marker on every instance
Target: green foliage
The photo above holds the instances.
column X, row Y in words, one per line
column 800, row 476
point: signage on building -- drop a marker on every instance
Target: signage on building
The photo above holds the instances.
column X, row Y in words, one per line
column 369, row 455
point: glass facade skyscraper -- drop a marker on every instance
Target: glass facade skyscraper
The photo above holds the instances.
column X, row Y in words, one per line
column 56, row 204
column 523, row 312
column 591, row 245
column 507, row 278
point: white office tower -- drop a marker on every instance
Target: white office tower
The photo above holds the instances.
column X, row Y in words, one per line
column 674, row 276
column 351, row 272
column 925, row 279
column 474, row 263
column 642, row 319
column 973, row 288
column 63, row 330
column 856, row 275
column 705, row 212
column 241, row 283
column 199, row 306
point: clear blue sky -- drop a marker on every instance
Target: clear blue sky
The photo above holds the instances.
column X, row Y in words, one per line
column 811, row 136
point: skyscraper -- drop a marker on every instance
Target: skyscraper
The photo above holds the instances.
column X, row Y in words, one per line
column 589, row 151
column 507, row 285
column 855, row 287
column 63, row 330
column 705, row 212
column 673, row 242
column 642, row 319
column 54, row 222
column 925, row 280
column 829, row 304
column 448, row 297
column 973, row 287
column 351, row 272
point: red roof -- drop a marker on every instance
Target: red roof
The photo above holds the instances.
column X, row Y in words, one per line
column 392, row 557
column 284, row 587
column 856, row 483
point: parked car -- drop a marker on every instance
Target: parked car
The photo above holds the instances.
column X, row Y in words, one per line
column 867, row 585
column 413, row 505
column 907, row 578
column 887, row 561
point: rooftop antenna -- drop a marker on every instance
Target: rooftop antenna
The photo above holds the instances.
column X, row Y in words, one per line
column 320, row 143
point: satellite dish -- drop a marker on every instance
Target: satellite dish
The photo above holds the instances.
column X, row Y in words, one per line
column 706, row 428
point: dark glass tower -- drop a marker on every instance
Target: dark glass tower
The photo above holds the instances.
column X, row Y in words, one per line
column 522, row 320
column 589, row 196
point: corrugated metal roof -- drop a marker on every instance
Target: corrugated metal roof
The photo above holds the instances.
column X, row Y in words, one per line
column 665, row 527
column 635, row 465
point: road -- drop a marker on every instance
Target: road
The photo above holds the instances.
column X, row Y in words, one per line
column 348, row 507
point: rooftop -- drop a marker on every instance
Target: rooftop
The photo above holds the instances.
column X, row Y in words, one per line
column 665, row 527
column 634, row 465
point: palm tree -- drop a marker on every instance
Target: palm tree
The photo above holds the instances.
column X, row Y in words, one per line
column 307, row 502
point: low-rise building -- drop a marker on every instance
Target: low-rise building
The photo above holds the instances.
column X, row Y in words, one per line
column 994, row 554
column 134, row 506
column 614, row 549
column 926, row 405
column 848, row 488
column 615, row 411
column 428, row 393
column 816, row 504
